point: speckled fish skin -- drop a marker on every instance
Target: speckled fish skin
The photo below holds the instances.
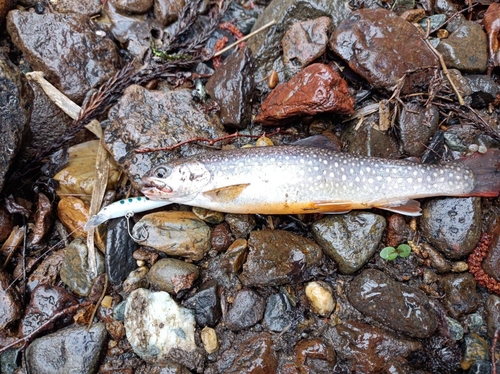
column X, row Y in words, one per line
column 298, row 179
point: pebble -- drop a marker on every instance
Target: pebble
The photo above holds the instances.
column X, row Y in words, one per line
column 491, row 264
column 69, row 350
column 481, row 367
column 209, row 216
column 232, row 260
column 221, row 237
column 10, row 302
column 246, row 311
column 352, row 250
column 314, row 356
column 206, row 304
column 175, row 233
column 279, row 313
column 73, row 214
column 160, row 326
column 455, row 329
column 209, row 339
column 320, row 297
column 132, row 6
column 120, row 247
column 136, row 279
column 460, row 294
column 240, row 224
column 75, row 270
column 278, row 257
column 398, row 231
column 492, row 308
column 172, row 275
column 476, row 349
column 393, row 304
column 167, row 11
column 484, row 90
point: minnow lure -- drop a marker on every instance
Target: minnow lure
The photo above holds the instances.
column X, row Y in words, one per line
column 121, row 208
column 302, row 179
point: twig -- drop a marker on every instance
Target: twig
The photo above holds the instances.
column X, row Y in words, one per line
column 99, row 301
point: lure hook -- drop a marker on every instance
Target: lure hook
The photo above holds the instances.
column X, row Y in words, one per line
column 129, row 215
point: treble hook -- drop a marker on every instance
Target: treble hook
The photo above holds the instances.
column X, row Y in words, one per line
column 129, row 215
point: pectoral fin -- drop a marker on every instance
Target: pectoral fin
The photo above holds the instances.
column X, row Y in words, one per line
column 329, row 207
column 227, row 193
column 407, row 208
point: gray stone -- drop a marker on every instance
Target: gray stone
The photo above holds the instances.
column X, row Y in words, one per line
column 246, row 311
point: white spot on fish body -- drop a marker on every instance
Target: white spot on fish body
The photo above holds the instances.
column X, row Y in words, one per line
column 344, row 177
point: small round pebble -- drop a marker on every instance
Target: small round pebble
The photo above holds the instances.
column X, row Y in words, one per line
column 209, row 339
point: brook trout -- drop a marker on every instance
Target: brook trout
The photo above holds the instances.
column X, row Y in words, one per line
column 300, row 179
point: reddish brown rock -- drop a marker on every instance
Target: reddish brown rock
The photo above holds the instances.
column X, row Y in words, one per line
column 314, row 356
column 382, row 47
column 491, row 264
column 316, row 89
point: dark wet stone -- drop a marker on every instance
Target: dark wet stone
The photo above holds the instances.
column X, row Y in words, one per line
column 47, row 272
column 484, row 90
column 132, row 6
column 492, row 315
column 172, row 275
column 75, row 269
column 381, row 60
column 10, row 302
column 232, row 86
column 314, row 356
column 252, row 354
column 466, row 49
column 246, row 311
column 370, row 349
column 476, row 349
column 16, row 100
column 398, row 231
column 221, row 237
column 350, row 239
column 6, row 225
column 316, row 89
column 460, row 294
column 278, row 313
column 455, row 329
column 240, row 224
column 232, row 260
column 304, row 42
column 167, row 11
column 88, row 8
column 206, row 304
column 154, row 119
column 452, row 225
column 70, row 350
column 393, row 304
column 52, row 37
column 278, row 257
column 120, row 247
column 417, row 125
column 46, row 300
column 436, row 259
column 480, row 367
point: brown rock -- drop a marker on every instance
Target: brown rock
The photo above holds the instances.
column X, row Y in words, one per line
column 491, row 264
column 398, row 231
column 132, row 6
column 316, row 89
column 73, row 213
column 314, row 356
column 10, row 304
column 167, row 11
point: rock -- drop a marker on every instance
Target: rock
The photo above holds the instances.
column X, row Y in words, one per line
column 278, row 257
column 73, row 214
column 381, row 60
column 167, row 11
column 480, row 367
column 119, row 250
column 136, row 279
column 304, row 42
column 461, row 296
column 10, row 302
column 161, row 325
column 132, row 6
column 209, row 216
column 484, row 90
column 175, row 233
column 452, row 225
column 349, row 239
column 52, row 37
column 492, row 315
column 393, row 304
column 320, row 297
column 398, row 231
column 246, row 311
column 314, row 356
column 491, row 264
column 209, row 339
column 316, row 89
column 232, row 86
column 153, row 119
column 87, row 8
column 172, row 275
column 436, row 259
column 466, row 49
column 6, row 224
column 476, row 349
column 417, row 125
column 240, row 224
column 221, row 237
column 47, row 272
column 206, row 304
column 70, row 350
column 278, row 314
column 16, row 100
column 455, row 329
column 75, row 272
column 5, row 7
column 369, row 349
column 235, row 256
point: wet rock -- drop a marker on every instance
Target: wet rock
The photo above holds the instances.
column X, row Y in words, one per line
column 304, row 42
column 232, row 86
column 75, row 270
column 398, row 231
column 51, row 37
column 132, row 6
column 16, row 99
column 70, row 350
column 278, row 314
column 246, row 311
column 160, row 327
column 476, row 348
column 484, row 90
column 491, row 264
column 154, row 119
column 320, row 296
column 167, row 11
column 480, row 367
column 278, row 257
column 252, row 354
column 455, row 329
column 417, row 125
column 206, row 304
column 461, row 296
column 350, row 239
column 136, row 279
column 370, row 349
column 175, row 233
column 393, row 304
column 466, row 49
column 172, row 275
column 240, row 224
column 492, row 315
column 45, row 301
column 43, row 218
column 316, row 89
column 221, row 237
column 235, row 256
column 367, row 42
column 6, row 226
column 436, row 259
column 209, row 339
column 119, row 250
column 452, row 225
column 5, row 7
column 314, row 356
column 73, row 214
column 10, row 302
column 87, row 8
column 209, row 216
column 47, row 272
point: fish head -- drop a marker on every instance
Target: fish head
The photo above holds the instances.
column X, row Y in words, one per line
column 177, row 182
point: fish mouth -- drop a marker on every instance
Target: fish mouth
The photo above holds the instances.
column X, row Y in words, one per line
column 155, row 187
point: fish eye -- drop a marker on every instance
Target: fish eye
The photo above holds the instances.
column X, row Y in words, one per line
column 161, row 172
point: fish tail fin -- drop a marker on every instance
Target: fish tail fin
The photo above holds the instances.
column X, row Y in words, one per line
column 486, row 169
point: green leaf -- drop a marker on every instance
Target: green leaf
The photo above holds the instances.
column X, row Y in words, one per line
column 404, row 250
column 389, row 253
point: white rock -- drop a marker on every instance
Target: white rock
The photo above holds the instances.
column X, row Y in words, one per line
column 155, row 324
column 320, row 298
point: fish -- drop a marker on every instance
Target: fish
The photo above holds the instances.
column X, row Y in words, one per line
column 304, row 179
